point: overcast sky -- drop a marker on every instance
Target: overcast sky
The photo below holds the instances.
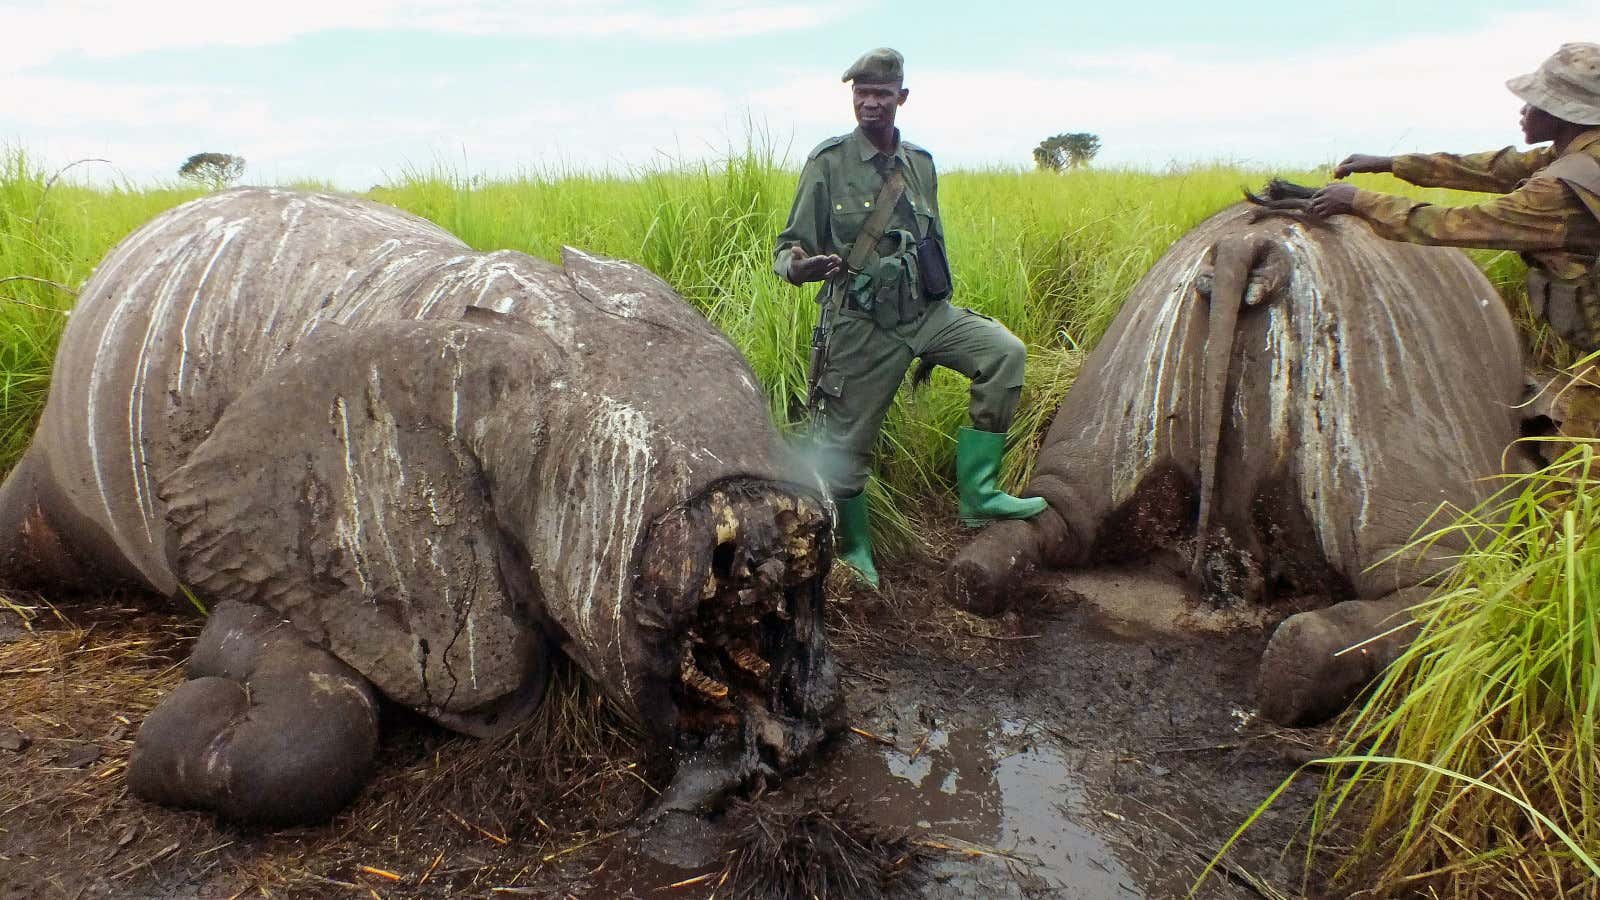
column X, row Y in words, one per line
column 357, row 92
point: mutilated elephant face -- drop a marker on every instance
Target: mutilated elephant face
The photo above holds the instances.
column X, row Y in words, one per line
column 740, row 669
column 673, row 542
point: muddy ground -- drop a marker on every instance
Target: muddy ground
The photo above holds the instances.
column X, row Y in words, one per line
column 1101, row 744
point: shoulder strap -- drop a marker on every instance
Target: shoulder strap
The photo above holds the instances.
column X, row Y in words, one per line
column 883, row 207
column 1580, row 172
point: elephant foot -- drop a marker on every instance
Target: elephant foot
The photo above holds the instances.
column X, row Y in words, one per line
column 1312, row 668
column 984, row 575
column 270, row 730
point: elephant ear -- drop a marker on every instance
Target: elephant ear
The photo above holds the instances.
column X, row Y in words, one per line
column 343, row 491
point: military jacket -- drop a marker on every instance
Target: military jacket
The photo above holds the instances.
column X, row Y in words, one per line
column 836, row 193
column 1541, row 217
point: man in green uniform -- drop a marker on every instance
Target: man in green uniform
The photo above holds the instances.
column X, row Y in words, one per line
column 887, row 299
column 1550, row 204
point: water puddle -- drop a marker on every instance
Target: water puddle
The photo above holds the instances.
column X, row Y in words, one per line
column 999, row 789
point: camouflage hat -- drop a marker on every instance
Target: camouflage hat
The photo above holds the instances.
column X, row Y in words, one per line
column 880, row 66
column 1567, row 85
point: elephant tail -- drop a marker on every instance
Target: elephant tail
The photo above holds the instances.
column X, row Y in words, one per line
column 1234, row 260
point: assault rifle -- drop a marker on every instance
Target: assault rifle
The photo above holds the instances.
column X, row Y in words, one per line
column 819, row 359
column 894, row 184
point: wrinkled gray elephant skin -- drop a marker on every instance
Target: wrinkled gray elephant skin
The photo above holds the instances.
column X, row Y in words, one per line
column 1276, row 410
column 395, row 466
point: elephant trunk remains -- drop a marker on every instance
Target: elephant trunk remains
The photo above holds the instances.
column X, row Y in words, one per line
column 750, row 692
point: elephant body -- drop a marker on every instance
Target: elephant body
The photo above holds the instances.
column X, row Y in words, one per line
column 1278, row 407
column 349, row 432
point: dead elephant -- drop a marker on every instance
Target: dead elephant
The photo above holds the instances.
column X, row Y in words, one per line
column 1277, row 408
column 393, row 465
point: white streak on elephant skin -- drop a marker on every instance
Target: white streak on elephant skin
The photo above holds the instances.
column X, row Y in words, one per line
column 596, row 516
column 1155, row 390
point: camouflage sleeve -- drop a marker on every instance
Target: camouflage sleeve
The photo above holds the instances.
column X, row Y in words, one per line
column 1495, row 172
column 1536, row 216
column 808, row 219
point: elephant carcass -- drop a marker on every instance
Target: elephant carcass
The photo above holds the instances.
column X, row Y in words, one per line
column 1278, row 407
column 391, row 462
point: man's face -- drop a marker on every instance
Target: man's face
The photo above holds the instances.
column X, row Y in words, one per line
column 876, row 104
column 1538, row 126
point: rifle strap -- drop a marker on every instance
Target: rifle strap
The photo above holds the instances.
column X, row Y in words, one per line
column 883, row 207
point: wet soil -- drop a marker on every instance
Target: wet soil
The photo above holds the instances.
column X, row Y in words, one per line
column 1099, row 743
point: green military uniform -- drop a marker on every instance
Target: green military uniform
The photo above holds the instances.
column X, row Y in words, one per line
column 881, row 319
column 884, row 316
column 1546, row 213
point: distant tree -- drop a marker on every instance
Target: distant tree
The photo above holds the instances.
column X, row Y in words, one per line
column 1066, row 151
column 214, row 170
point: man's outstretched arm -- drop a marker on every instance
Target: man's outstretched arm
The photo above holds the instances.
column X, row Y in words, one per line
column 1494, row 172
column 1537, row 216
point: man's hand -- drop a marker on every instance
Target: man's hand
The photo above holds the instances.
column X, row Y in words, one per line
column 1333, row 200
column 803, row 268
column 1361, row 162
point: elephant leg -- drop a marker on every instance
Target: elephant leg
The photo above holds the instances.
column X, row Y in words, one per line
column 1309, row 671
column 983, row 576
column 31, row 555
column 270, row 730
column 45, row 544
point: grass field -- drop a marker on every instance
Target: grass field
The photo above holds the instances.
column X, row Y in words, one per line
column 1052, row 256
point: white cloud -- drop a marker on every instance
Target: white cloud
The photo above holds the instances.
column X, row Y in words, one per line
column 671, row 103
column 1281, row 104
column 41, row 31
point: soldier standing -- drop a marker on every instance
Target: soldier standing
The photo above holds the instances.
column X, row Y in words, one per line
column 865, row 222
column 1550, row 208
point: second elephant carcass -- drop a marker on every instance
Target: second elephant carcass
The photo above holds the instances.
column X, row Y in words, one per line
column 1279, row 406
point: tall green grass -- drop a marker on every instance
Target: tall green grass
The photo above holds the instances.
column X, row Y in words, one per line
column 1488, row 782
column 1471, row 769
column 1051, row 255
column 52, row 232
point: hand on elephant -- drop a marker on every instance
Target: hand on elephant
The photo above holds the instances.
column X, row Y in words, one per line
column 1333, row 200
column 803, row 268
column 1363, row 162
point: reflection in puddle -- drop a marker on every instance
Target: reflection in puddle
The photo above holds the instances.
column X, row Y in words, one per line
column 996, row 787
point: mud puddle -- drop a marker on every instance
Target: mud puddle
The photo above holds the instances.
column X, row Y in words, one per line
column 1098, row 743
column 998, row 793
column 1102, row 745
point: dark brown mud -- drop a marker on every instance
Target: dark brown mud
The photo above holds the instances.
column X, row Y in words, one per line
column 1099, row 743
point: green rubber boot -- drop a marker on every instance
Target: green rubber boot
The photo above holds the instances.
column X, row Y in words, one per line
column 853, row 539
column 978, row 481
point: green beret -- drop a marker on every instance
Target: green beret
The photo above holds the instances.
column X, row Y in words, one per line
column 880, row 66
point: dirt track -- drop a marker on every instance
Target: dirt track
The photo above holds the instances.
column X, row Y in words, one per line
column 1081, row 749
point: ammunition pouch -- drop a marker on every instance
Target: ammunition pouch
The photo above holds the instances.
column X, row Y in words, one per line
column 933, row 269
column 1570, row 305
column 888, row 288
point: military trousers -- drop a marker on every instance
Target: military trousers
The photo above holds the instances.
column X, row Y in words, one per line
column 866, row 364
